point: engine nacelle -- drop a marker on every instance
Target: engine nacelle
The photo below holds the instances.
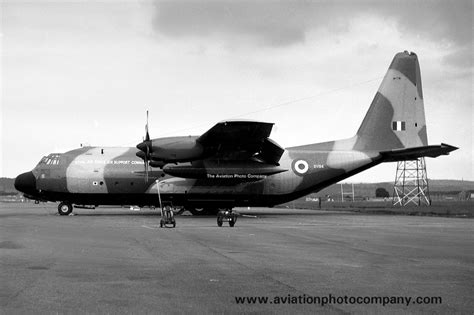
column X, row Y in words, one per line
column 176, row 149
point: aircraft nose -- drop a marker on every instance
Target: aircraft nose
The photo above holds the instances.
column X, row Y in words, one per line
column 26, row 183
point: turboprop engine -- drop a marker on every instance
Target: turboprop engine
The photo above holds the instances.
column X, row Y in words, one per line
column 171, row 149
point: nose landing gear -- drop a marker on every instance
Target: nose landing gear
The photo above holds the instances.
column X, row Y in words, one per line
column 167, row 217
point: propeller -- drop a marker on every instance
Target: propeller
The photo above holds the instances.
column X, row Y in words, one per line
column 145, row 148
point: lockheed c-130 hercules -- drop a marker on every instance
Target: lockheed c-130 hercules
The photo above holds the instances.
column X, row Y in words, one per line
column 235, row 163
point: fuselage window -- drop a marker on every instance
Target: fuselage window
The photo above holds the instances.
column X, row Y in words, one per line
column 52, row 159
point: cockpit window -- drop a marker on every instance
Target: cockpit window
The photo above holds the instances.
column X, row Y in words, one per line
column 52, row 159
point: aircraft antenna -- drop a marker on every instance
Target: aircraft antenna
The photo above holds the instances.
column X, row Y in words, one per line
column 263, row 109
column 282, row 104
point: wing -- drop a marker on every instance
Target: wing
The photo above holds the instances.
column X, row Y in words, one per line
column 237, row 132
column 241, row 140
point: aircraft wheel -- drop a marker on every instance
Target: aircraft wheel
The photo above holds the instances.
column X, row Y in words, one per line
column 64, row 208
column 219, row 222
column 231, row 223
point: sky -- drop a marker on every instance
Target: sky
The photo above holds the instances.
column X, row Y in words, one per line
column 85, row 72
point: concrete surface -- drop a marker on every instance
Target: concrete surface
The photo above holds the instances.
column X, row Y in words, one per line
column 120, row 261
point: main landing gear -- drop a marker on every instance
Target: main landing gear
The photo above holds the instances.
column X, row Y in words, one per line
column 65, row 208
column 226, row 215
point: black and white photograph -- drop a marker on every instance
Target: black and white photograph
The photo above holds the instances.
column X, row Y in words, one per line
column 236, row 157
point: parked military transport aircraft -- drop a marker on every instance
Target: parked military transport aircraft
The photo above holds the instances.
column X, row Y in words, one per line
column 235, row 163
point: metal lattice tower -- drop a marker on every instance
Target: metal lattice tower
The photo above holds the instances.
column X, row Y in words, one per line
column 411, row 183
column 350, row 193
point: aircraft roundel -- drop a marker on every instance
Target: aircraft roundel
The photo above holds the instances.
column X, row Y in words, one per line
column 300, row 167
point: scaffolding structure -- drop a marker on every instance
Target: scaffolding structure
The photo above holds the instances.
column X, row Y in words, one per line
column 411, row 183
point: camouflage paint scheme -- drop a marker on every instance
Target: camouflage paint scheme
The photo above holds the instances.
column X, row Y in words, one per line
column 393, row 129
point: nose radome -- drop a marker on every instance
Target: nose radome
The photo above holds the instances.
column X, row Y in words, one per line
column 26, row 183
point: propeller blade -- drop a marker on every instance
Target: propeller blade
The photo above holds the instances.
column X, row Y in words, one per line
column 147, row 135
column 146, row 163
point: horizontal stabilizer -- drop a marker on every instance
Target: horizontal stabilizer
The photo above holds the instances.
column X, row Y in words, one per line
column 414, row 153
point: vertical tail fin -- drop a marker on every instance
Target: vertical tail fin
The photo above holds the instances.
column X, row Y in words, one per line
column 396, row 117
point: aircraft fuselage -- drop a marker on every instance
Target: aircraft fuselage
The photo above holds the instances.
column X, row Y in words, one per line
column 116, row 176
